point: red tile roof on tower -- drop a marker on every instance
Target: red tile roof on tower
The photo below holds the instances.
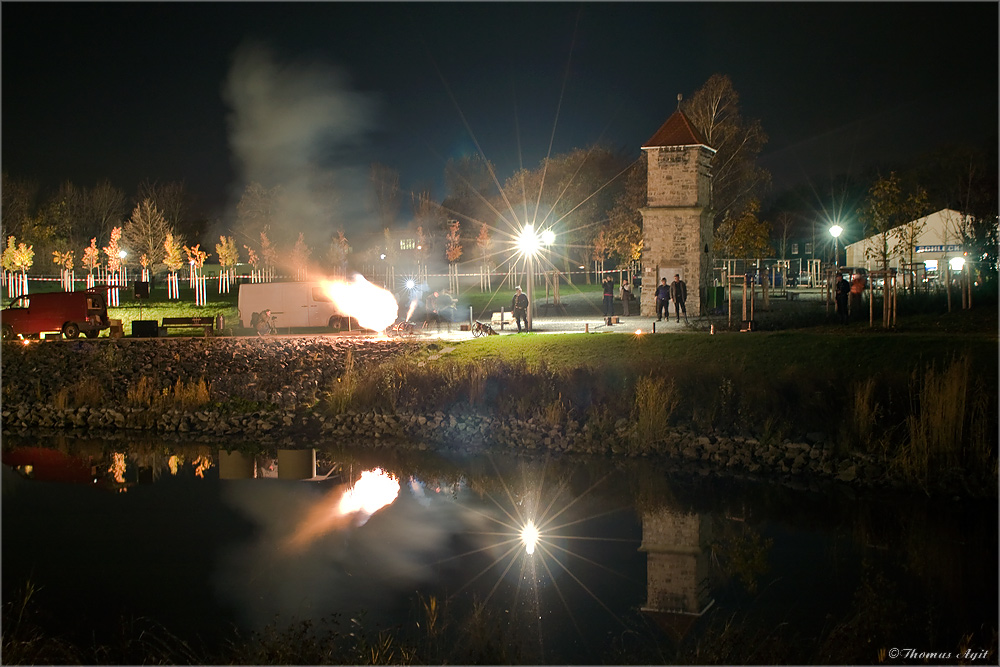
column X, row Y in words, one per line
column 677, row 131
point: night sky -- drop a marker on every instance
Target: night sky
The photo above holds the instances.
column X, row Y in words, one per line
column 216, row 94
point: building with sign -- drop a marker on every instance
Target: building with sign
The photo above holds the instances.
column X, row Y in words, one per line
column 937, row 241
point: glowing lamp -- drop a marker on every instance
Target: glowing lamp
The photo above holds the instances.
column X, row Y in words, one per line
column 410, row 284
column 122, row 254
column 527, row 241
column 529, row 536
column 956, row 263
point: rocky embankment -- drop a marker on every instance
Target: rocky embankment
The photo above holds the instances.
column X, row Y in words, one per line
column 266, row 389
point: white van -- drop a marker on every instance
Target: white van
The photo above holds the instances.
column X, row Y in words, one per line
column 303, row 304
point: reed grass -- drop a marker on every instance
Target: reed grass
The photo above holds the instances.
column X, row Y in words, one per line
column 936, row 423
column 656, row 398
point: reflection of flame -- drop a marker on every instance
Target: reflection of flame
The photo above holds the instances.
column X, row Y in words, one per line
column 374, row 490
column 117, row 468
column 335, row 510
column 373, row 307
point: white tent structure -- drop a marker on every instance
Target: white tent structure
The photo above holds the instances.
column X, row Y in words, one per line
column 938, row 241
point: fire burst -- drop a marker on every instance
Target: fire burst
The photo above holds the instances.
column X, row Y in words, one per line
column 373, row 307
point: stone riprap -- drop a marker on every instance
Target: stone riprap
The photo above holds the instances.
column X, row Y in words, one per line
column 290, row 374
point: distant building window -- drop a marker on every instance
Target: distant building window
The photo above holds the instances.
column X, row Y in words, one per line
column 407, row 244
column 809, row 249
column 795, row 248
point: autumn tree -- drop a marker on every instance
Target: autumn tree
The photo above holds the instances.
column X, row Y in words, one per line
column 268, row 253
column 906, row 237
column 227, row 252
column 737, row 180
column 338, row 251
column 470, row 185
column 571, row 194
column 886, row 208
column 300, row 256
column 112, row 250
column 91, row 258
column 172, row 257
column 745, row 236
column 624, row 230
column 196, row 256
column 484, row 243
column 145, row 231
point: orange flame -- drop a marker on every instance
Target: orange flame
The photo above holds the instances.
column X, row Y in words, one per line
column 336, row 510
column 374, row 490
column 373, row 307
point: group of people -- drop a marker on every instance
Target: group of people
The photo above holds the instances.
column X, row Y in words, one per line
column 676, row 292
column 843, row 291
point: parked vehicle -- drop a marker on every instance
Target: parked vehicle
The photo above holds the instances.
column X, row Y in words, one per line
column 69, row 313
column 304, row 304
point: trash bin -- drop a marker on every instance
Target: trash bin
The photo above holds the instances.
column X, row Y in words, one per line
column 716, row 296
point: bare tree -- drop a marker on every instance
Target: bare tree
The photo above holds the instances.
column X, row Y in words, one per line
column 385, row 193
column 170, row 198
column 18, row 199
column 145, row 233
column 784, row 225
column 106, row 209
column 736, row 179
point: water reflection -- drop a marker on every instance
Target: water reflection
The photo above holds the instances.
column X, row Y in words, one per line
column 264, row 537
column 677, row 546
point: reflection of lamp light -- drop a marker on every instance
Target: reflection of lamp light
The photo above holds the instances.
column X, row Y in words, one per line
column 956, row 263
column 835, row 232
column 529, row 536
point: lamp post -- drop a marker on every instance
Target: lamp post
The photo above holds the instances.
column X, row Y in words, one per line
column 836, row 231
column 529, row 242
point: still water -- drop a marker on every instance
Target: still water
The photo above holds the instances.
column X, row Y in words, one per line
column 571, row 561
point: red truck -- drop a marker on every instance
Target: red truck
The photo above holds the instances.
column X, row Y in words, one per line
column 66, row 312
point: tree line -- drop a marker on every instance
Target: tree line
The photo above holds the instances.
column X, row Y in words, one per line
column 590, row 197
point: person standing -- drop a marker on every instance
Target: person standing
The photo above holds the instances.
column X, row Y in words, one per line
column 662, row 299
column 842, row 291
column 609, row 297
column 626, row 297
column 679, row 294
column 519, row 306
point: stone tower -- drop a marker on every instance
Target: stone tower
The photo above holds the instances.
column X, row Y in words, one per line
column 677, row 220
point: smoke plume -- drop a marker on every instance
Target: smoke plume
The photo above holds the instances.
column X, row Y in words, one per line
column 302, row 127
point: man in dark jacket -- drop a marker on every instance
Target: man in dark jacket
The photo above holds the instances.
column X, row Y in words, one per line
column 843, row 291
column 519, row 306
column 679, row 294
column 609, row 297
column 662, row 299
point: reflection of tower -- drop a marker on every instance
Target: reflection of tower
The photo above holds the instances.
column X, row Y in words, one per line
column 677, row 579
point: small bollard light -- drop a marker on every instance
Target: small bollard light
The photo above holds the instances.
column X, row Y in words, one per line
column 586, row 327
column 712, row 331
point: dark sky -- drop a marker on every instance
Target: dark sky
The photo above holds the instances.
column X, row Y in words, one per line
column 215, row 94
